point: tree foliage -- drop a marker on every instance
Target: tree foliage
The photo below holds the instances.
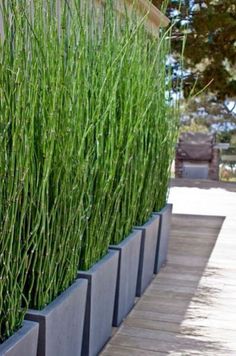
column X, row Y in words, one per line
column 206, row 111
column 210, row 52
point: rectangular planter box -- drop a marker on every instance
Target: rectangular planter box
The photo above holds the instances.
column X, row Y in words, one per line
column 23, row 342
column 163, row 237
column 147, row 253
column 129, row 251
column 61, row 322
column 102, row 279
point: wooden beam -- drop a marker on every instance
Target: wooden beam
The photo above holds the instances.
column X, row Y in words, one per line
column 155, row 16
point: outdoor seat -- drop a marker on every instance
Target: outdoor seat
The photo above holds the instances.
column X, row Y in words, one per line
column 197, row 156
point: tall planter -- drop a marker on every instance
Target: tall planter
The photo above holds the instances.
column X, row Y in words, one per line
column 61, row 322
column 102, row 279
column 23, row 342
column 147, row 253
column 129, row 251
column 163, row 236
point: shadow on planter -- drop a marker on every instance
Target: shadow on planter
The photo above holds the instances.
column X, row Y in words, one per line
column 61, row 322
column 102, row 279
column 163, row 236
column 147, row 253
column 23, row 342
column 129, row 251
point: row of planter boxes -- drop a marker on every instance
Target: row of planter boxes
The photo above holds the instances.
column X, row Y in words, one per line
column 79, row 321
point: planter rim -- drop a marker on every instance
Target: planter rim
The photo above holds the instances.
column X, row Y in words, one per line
column 95, row 267
column 166, row 207
column 148, row 222
column 126, row 240
column 25, row 329
column 59, row 299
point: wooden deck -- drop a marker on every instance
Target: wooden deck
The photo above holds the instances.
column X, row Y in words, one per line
column 190, row 307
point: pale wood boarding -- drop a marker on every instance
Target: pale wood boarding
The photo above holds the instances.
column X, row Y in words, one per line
column 154, row 15
column 190, row 307
column 154, row 18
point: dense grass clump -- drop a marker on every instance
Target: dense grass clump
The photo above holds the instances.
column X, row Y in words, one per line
column 86, row 142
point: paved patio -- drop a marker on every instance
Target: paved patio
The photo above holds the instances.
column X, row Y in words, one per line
column 190, row 307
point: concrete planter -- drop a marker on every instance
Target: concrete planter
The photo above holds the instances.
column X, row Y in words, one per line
column 163, row 236
column 102, row 279
column 61, row 322
column 129, row 251
column 23, row 342
column 147, row 253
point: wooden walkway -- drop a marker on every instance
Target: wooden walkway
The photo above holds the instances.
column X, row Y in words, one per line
column 190, row 307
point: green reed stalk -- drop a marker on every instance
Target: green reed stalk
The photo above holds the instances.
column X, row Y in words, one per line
column 86, row 139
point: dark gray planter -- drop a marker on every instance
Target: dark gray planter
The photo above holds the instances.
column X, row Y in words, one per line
column 129, row 251
column 147, row 253
column 61, row 322
column 23, row 342
column 163, row 237
column 100, row 303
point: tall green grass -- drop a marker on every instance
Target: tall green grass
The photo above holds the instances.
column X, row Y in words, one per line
column 43, row 165
column 86, row 142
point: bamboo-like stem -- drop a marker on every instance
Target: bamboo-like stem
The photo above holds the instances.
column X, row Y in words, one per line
column 86, row 139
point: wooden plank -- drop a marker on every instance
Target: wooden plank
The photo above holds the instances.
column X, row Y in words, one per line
column 201, row 234
column 170, row 288
column 209, row 221
column 186, row 346
column 188, row 333
column 112, row 350
column 180, row 269
column 188, row 326
column 188, row 239
column 183, row 260
column 194, row 251
column 174, row 283
column 228, row 277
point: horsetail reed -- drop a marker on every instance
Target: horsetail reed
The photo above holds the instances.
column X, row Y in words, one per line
column 83, row 129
